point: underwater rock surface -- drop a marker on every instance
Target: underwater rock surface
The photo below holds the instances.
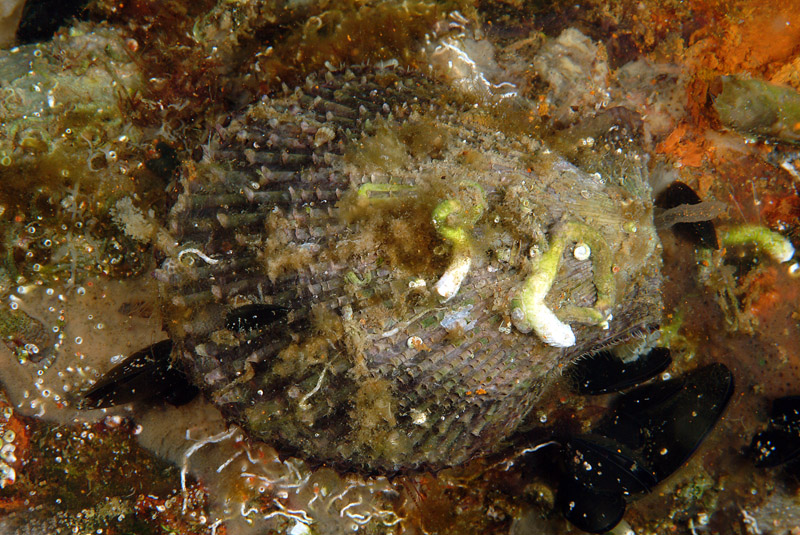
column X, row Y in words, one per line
column 435, row 271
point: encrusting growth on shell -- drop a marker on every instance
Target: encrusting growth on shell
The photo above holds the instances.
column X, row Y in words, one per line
column 529, row 311
column 371, row 243
column 458, row 235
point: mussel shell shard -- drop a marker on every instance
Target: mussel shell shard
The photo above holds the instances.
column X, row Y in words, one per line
column 605, row 372
column 320, row 201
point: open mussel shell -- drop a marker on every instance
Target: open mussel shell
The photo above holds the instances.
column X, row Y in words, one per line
column 605, row 372
column 780, row 442
column 147, row 374
column 672, row 417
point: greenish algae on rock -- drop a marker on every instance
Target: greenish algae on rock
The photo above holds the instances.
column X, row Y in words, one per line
column 759, row 108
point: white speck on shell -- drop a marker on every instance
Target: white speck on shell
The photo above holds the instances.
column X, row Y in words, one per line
column 582, row 252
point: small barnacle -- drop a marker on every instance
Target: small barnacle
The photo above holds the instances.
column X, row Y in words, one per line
column 324, row 134
column 582, row 252
column 415, row 342
column 7, row 453
column 416, row 284
column 418, row 417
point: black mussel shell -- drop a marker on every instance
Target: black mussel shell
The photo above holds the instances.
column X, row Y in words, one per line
column 702, row 233
column 774, row 447
column 605, row 372
column 780, row 443
column 629, row 419
column 672, row 417
column 254, row 316
column 589, row 509
column 785, row 413
column 606, row 465
column 599, row 475
column 42, row 19
column 147, row 374
column 650, row 432
column 166, row 163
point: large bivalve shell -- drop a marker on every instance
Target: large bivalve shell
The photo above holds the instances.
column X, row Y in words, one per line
column 389, row 230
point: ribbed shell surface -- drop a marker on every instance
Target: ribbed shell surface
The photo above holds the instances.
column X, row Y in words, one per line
column 368, row 367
